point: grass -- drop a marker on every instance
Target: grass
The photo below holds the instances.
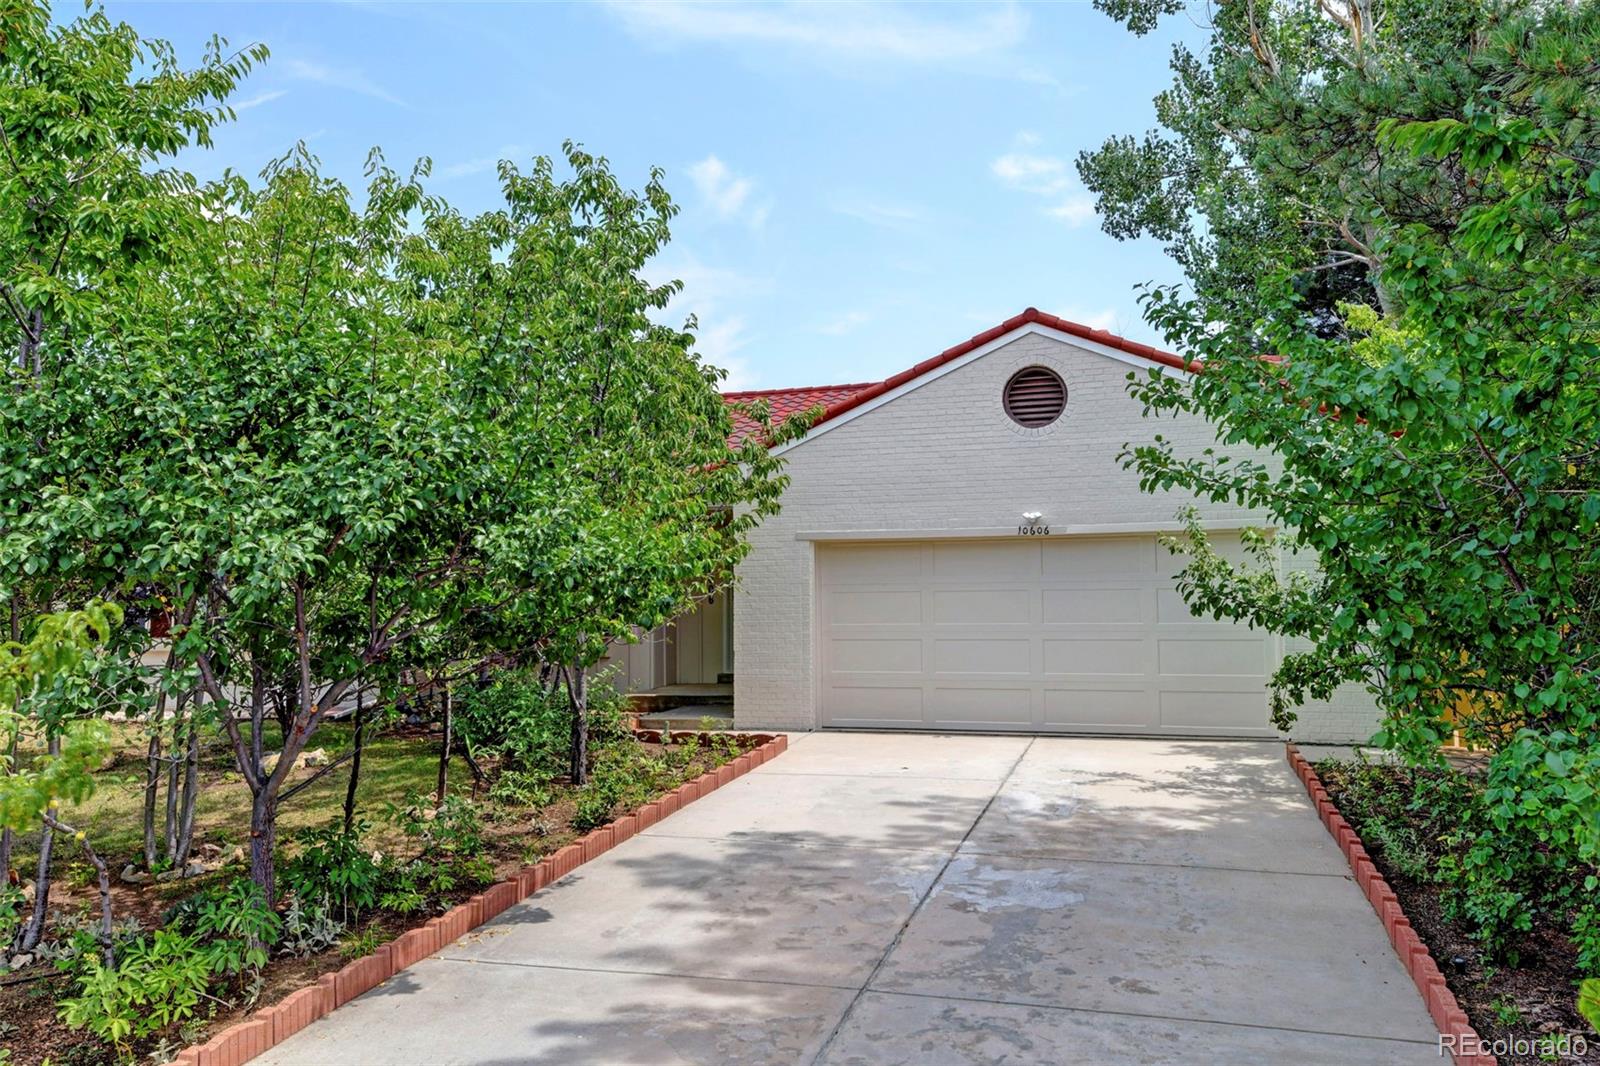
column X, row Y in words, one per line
column 391, row 766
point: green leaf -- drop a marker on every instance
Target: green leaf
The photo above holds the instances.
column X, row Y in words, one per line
column 1589, row 1001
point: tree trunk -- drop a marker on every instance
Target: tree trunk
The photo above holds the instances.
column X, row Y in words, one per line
column 29, row 935
column 7, row 840
column 355, row 763
column 578, row 692
column 444, row 749
column 191, row 790
column 172, row 783
column 152, row 788
column 103, row 875
column 263, row 837
column 30, row 347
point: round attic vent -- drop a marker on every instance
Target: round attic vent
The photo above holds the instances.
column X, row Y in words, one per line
column 1035, row 397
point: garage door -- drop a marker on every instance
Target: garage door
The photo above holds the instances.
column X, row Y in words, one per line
column 1072, row 634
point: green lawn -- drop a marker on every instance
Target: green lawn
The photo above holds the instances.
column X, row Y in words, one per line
column 112, row 817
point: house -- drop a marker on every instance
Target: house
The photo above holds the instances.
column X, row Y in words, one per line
column 960, row 548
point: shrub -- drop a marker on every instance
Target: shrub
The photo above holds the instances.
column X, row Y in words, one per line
column 1497, row 875
column 158, row 981
column 452, row 853
column 450, row 832
column 237, row 927
column 528, row 722
column 521, row 788
column 608, row 711
column 333, row 866
column 518, row 717
column 624, row 775
column 594, row 806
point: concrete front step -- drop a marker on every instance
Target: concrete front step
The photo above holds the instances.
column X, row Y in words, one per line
column 674, row 697
column 715, row 716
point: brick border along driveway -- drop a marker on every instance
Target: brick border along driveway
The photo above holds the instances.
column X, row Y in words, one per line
column 915, row 898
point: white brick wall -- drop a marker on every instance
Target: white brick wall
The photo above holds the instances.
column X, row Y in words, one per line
column 944, row 456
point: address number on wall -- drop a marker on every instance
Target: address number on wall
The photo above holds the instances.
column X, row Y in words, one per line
column 1033, row 531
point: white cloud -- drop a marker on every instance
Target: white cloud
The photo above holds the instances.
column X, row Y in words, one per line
column 1045, row 176
column 717, row 344
column 468, row 167
column 481, row 165
column 887, row 214
column 259, row 99
column 1041, row 174
column 862, row 39
column 845, row 323
column 349, row 79
column 726, row 193
column 709, row 294
column 1075, row 210
column 861, row 30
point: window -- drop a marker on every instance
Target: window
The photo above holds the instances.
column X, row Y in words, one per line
column 1035, row 397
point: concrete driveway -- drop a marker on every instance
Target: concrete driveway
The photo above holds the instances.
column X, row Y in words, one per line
column 931, row 899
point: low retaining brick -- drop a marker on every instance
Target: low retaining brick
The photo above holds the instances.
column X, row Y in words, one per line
column 244, row 1040
column 1446, row 1012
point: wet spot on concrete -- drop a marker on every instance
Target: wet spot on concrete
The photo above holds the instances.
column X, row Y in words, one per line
column 976, row 886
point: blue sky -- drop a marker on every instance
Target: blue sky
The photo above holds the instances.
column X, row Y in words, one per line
column 862, row 186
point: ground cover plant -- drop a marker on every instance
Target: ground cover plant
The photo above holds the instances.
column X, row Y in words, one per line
column 1421, row 825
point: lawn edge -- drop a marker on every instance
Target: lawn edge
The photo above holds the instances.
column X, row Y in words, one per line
column 270, row 1026
column 1446, row 1012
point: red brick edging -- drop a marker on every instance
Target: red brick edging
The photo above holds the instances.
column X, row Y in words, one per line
column 1447, row 1014
column 269, row 1026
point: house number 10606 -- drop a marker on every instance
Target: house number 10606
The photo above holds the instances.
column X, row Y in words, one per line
column 1033, row 531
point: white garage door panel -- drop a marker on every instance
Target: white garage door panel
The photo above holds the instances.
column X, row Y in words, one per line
column 1099, row 556
column 1094, row 606
column 1073, row 634
column 1100, row 710
column 870, row 656
column 1245, row 657
column 885, row 706
column 877, row 608
column 1207, row 712
column 966, row 607
column 980, row 708
column 1126, row 656
column 974, row 656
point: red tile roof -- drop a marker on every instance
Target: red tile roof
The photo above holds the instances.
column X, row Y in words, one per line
column 835, row 400
column 785, row 402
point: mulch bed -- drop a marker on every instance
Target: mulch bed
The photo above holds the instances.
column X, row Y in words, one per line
column 1534, row 998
